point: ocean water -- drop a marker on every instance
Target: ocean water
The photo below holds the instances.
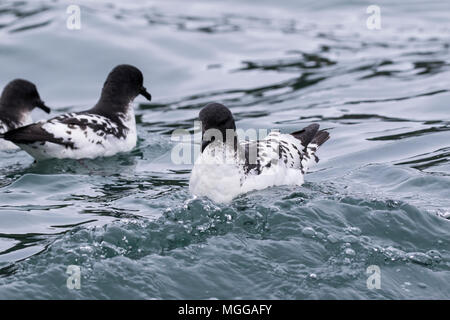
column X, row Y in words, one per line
column 380, row 195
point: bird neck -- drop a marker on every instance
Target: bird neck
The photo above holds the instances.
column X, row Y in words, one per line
column 112, row 108
column 12, row 114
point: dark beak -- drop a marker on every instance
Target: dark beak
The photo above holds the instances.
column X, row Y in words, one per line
column 41, row 105
column 205, row 144
column 147, row 95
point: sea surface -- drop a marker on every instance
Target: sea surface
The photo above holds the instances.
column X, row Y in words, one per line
column 380, row 195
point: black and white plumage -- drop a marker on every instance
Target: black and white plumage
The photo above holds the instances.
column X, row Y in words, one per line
column 227, row 168
column 106, row 129
column 18, row 99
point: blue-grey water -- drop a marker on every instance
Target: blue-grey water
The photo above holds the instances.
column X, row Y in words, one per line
column 379, row 196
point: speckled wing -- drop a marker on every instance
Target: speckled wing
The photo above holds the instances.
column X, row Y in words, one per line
column 70, row 130
column 295, row 150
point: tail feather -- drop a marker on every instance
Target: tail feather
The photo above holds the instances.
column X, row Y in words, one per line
column 311, row 139
column 311, row 135
column 320, row 138
column 307, row 134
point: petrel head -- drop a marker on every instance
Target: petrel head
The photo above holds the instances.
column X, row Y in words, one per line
column 21, row 97
column 215, row 116
column 124, row 82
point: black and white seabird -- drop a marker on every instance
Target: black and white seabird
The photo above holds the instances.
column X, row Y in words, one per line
column 104, row 130
column 227, row 168
column 18, row 99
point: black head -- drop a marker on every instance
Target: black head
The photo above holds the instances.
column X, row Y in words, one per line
column 123, row 84
column 22, row 97
column 216, row 116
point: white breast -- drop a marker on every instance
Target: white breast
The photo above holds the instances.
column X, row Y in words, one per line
column 216, row 174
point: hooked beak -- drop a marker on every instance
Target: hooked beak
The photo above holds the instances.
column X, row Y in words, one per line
column 41, row 105
column 147, row 95
column 205, row 144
